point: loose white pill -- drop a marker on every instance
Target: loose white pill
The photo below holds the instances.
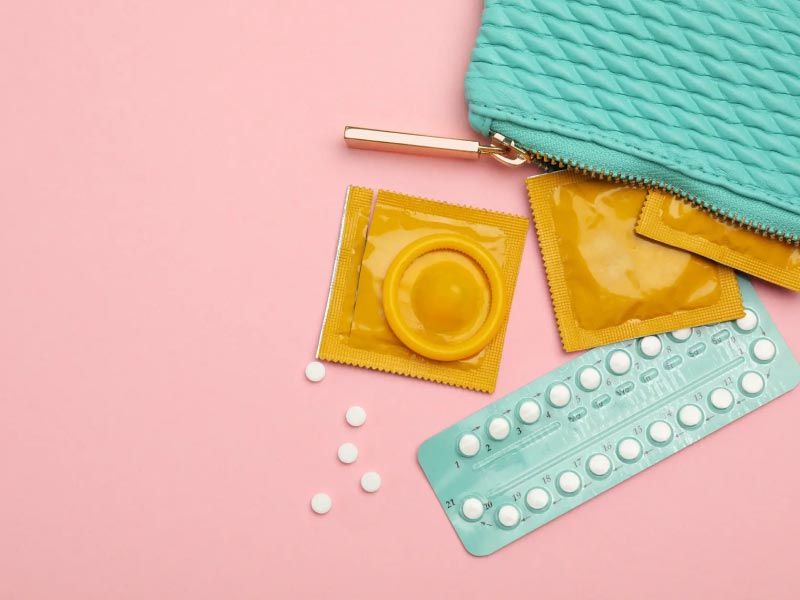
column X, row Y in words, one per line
column 321, row 503
column 721, row 398
column 559, row 395
column 537, row 498
column 681, row 335
column 690, row 415
column 355, row 416
column 499, row 428
column 370, row 481
column 748, row 322
column 619, row 362
column 348, row 453
column 659, row 432
column 599, row 465
column 629, row 449
column 529, row 412
column 763, row 350
column 472, row 509
column 315, row 371
column 751, row 383
column 569, row 482
column 508, row 515
column 469, row 444
column 590, row 379
column 650, row 346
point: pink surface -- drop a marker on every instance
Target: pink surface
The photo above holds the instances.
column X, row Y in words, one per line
column 172, row 177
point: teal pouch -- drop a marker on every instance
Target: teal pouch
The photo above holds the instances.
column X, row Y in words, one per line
column 697, row 97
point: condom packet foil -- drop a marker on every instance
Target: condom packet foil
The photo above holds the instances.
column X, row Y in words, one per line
column 608, row 284
column 422, row 288
column 678, row 223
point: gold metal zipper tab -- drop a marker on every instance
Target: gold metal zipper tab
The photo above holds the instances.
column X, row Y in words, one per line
column 501, row 149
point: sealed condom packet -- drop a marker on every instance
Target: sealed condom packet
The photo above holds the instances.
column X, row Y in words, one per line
column 422, row 288
column 673, row 221
column 609, row 284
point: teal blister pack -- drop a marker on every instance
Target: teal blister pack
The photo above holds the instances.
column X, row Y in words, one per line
column 578, row 431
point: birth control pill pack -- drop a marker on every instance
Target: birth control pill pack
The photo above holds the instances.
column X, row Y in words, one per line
column 570, row 435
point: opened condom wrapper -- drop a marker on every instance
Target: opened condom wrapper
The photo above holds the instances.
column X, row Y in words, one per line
column 422, row 288
column 609, row 284
column 670, row 220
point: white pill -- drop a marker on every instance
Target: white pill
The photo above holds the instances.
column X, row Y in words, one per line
column 650, row 346
column 472, row 509
column 764, row 350
column 499, row 428
column 629, row 449
column 348, row 453
column 569, row 482
column 559, row 395
column 469, row 444
column 619, row 362
column 529, row 412
column 682, row 335
column 751, row 383
column 321, row 503
column 590, row 379
column 370, row 481
column 659, row 432
column 508, row 515
column 537, row 498
column 355, row 416
column 748, row 322
column 315, row 371
column 690, row 415
column 599, row 465
column 721, row 399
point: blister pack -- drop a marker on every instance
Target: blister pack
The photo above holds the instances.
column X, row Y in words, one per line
column 578, row 431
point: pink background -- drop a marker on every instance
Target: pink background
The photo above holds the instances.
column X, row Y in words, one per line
column 171, row 182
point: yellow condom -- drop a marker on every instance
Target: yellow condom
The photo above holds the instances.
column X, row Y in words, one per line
column 422, row 288
column 678, row 223
column 608, row 284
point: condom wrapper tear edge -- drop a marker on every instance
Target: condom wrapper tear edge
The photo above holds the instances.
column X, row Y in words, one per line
column 422, row 288
column 670, row 220
column 607, row 284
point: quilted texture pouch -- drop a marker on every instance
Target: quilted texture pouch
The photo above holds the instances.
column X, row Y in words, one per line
column 697, row 97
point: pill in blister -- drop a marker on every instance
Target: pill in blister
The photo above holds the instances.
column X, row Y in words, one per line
column 599, row 465
column 629, row 450
column 469, row 445
column 590, row 379
column 370, row 481
column 529, row 412
column 315, row 371
column 752, row 383
column 659, row 432
column 472, row 509
column 499, row 428
column 559, row 395
column 348, row 453
column 650, row 346
column 763, row 350
column 321, row 503
column 569, row 482
column 720, row 399
column 748, row 322
column 537, row 499
column 619, row 362
column 355, row 416
column 508, row 516
column 681, row 335
column 690, row 416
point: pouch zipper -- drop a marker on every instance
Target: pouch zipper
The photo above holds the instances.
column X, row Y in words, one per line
column 512, row 154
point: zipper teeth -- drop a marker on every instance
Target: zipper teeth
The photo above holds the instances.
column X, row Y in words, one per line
column 549, row 163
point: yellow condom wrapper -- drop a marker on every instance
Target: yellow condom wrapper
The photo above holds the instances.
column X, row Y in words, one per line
column 678, row 223
column 608, row 284
column 422, row 288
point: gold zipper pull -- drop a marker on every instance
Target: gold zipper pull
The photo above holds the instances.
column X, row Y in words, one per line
column 500, row 148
